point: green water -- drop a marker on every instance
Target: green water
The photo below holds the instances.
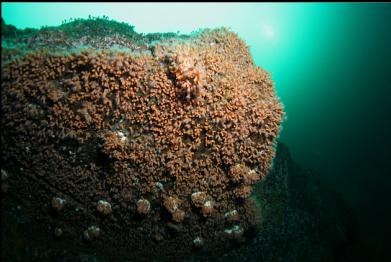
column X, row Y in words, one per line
column 331, row 64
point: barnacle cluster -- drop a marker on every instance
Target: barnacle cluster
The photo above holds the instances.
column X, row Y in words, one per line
column 159, row 151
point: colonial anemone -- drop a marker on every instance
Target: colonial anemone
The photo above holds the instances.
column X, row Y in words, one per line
column 127, row 139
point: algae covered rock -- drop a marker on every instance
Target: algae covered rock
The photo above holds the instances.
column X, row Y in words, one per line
column 121, row 117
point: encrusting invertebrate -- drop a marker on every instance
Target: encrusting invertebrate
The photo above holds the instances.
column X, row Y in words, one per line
column 189, row 76
column 156, row 138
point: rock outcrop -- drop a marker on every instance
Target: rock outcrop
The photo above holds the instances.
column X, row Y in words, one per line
column 103, row 126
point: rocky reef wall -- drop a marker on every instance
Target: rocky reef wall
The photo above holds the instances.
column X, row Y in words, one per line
column 145, row 148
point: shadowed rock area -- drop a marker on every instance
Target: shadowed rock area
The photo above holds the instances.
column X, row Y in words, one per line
column 302, row 220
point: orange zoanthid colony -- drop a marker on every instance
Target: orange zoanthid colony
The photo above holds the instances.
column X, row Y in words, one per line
column 157, row 151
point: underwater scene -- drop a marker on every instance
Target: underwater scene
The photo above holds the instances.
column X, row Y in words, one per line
column 195, row 132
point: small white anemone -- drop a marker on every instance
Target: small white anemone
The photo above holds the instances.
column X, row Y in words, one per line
column 91, row 233
column 196, row 194
column 159, row 185
column 4, row 175
column 231, row 213
column 58, row 203
column 122, row 136
column 208, row 204
column 198, row 242
column 236, row 231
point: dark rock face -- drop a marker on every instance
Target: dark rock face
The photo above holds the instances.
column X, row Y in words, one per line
column 302, row 219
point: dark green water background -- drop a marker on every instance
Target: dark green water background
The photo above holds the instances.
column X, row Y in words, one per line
column 332, row 68
column 339, row 116
column 336, row 87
